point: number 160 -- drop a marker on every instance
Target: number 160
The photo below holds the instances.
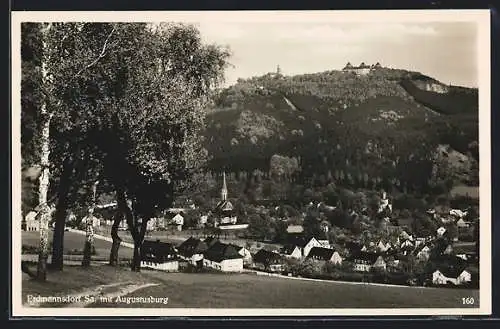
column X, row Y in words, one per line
column 468, row 301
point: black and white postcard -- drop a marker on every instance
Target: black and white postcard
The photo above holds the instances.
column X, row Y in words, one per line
column 287, row 163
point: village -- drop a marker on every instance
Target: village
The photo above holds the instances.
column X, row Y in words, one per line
column 145, row 173
column 217, row 242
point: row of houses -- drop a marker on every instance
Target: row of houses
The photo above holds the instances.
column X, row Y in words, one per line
column 213, row 254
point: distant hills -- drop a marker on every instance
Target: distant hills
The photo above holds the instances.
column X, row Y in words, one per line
column 388, row 125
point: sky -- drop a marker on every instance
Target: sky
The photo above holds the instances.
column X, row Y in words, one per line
column 445, row 50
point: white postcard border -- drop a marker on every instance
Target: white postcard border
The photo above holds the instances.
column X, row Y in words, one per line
column 480, row 17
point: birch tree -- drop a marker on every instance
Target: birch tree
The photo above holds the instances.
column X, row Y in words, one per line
column 55, row 56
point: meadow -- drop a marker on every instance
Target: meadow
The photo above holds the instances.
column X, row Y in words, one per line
column 218, row 290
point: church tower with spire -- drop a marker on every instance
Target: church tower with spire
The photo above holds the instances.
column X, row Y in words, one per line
column 223, row 191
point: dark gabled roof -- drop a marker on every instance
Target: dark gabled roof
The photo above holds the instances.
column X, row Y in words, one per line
column 211, row 240
column 288, row 249
column 192, row 246
column 441, row 247
column 365, row 256
column 299, row 240
column 353, row 247
column 321, row 253
column 450, row 261
column 235, row 246
column 451, row 272
column 266, row 257
column 220, row 251
column 419, row 248
column 157, row 250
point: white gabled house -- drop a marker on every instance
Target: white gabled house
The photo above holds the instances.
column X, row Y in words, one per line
column 325, row 254
column 160, row 256
column 291, row 251
column 423, row 253
column 303, row 244
column 223, row 257
column 451, row 276
column 441, row 231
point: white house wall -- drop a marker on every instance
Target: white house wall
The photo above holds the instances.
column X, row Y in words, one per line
column 167, row 267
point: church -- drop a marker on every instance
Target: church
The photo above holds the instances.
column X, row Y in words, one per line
column 224, row 211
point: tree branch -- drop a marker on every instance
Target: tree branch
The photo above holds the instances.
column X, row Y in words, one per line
column 101, row 55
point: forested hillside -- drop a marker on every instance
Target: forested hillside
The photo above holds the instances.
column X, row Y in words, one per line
column 381, row 130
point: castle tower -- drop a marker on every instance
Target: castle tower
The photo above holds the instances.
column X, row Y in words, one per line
column 223, row 191
column 278, row 70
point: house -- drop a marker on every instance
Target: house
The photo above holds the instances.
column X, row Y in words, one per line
column 462, row 224
column 366, row 261
column 178, row 219
column 203, row 220
column 394, row 266
column 304, row 244
column 451, row 276
column 224, row 210
column 268, row 261
column 440, row 231
column 151, row 224
column 443, row 248
column 192, row 250
column 382, row 246
column 405, row 236
column 420, row 241
column 245, row 253
column 379, row 264
column 295, row 229
column 407, row 244
column 31, row 221
column 291, row 251
column 325, row 254
column 458, row 213
column 422, row 253
column 324, row 243
column 223, row 257
column 159, row 256
column 384, row 204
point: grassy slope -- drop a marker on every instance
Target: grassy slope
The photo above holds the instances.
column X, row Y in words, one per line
column 76, row 241
column 249, row 291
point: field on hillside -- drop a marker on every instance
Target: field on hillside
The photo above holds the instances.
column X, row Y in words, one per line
column 74, row 241
column 205, row 290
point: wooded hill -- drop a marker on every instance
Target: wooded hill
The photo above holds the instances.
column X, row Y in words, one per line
column 383, row 127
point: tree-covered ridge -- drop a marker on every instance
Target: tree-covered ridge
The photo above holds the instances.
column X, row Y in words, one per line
column 381, row 126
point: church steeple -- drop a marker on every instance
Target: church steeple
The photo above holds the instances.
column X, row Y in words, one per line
column 224, row 187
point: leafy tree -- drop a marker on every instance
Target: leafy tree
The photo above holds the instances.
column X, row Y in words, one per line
column 152, row 135
column 260, row 227
column 53, row 58
column 141, row 104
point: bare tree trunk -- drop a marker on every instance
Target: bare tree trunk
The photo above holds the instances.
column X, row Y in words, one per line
column 113, row 255
column 44, row 214
column 89, row 243
column 136, row 261
column 89, row 231
column 60, row 217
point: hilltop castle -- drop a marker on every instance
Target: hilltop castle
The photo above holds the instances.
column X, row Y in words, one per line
column 362, row 69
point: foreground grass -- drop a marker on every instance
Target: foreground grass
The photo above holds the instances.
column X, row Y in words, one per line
column 208, row 290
